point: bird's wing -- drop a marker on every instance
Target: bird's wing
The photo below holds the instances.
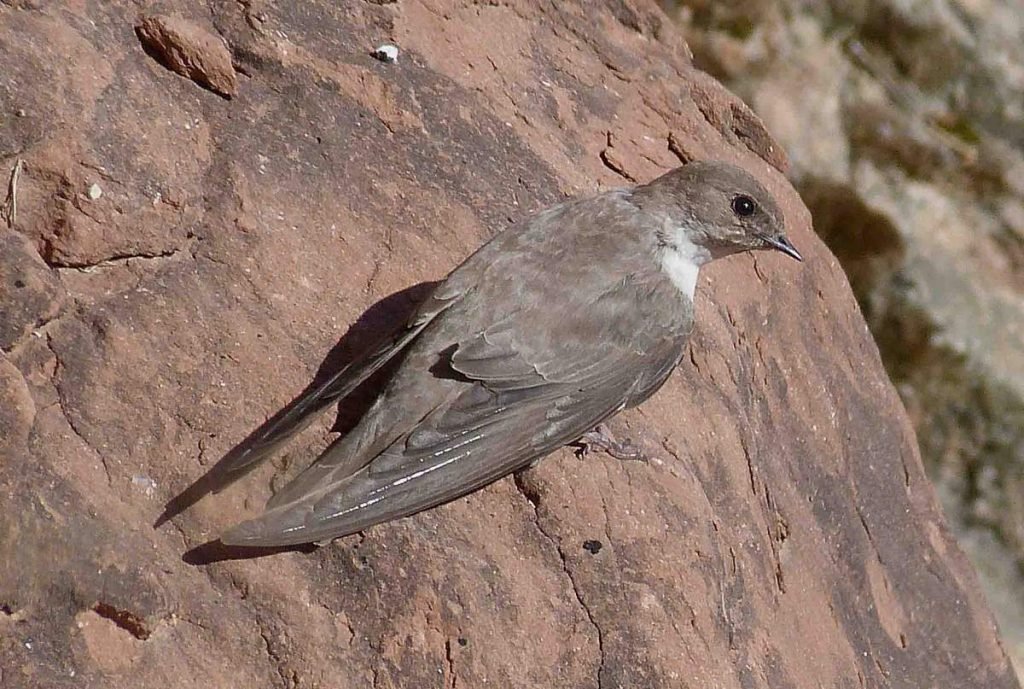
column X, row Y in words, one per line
column 301, row 412
column 525, row 394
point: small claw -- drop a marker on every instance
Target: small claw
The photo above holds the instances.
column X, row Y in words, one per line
column 602, row 439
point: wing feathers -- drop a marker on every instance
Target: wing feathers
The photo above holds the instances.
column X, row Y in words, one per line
column 456, row 449
column 297, row 415
column 302, row 411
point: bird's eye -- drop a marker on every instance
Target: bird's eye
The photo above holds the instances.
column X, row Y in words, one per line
column 743, row 206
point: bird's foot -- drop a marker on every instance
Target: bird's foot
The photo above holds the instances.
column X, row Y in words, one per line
column 601, row 438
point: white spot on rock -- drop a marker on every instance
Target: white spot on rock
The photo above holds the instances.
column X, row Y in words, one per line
column 386, row 53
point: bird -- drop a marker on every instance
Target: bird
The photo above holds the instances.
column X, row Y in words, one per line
column 549, row 329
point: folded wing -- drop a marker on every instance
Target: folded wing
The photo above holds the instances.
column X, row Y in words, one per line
column 520, row 399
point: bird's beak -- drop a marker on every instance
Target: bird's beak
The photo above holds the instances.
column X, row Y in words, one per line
column 785, row 246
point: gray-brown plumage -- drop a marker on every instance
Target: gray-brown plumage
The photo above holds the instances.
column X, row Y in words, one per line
column 550, row 328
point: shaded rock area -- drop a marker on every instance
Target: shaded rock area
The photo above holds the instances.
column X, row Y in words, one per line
column 905, row 125
column 189, row 262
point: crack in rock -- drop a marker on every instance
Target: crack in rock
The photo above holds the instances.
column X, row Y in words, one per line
column 533, row 497
column 62, row 404
column 115, row 260
column 288, row 680
column 452, row 679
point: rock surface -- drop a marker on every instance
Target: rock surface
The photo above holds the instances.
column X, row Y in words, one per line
column 905, row 124
column 784, row 536
column 189, row 50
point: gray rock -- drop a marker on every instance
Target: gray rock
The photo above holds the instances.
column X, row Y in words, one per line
column 904, row 123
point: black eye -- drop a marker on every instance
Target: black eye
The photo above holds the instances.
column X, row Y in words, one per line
column 743, row 206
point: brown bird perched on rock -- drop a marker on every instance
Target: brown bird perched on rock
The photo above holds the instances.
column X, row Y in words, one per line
column 550, row 328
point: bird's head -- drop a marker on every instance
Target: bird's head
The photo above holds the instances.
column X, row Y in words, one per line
column 717, row 208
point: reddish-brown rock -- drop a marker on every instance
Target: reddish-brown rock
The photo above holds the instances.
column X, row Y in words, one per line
column 29, row 291
column 191, row 51
column 784, row 535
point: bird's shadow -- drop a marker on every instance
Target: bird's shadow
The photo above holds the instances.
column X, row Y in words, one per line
column 215, row 551
column 379, row 321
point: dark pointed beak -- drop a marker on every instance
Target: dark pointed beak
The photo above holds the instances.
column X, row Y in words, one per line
column 785, row 246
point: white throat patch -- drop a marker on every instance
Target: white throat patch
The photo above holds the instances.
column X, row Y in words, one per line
column 681, row 260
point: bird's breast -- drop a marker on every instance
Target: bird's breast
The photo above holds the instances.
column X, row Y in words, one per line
column 681, row 270
column 681, row 259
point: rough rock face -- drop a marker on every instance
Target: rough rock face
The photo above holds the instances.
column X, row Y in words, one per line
column 187, row 49
column 905, row 124
column 197, row 258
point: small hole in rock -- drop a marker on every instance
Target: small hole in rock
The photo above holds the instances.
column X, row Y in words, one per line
column 125, row 619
